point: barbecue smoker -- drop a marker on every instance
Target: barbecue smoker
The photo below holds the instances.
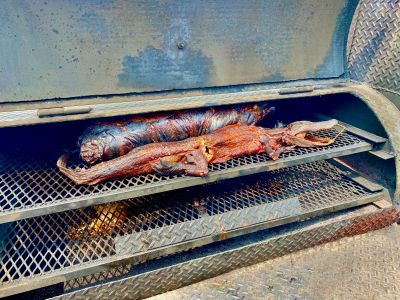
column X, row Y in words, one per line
column 68, row 64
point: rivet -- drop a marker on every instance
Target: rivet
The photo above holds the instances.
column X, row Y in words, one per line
column 181, row 45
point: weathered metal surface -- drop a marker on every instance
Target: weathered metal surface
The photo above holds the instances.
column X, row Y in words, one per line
column 363, row 267
column 53, row 49
column 388, row 116
column 374, row 47
column 40, row 251
column 205, row 263
column 33, row 186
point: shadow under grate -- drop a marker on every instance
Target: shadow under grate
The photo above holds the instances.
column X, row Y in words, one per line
column 77, row 239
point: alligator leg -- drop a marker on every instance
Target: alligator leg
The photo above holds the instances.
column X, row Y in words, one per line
column 303, row 127
column 194, row 163
column 297, row 133
column 265, row 141
column 273, row 154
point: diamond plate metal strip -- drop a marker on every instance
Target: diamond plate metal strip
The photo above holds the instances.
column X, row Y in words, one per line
column 362, row 267
column 374, row 55
column 206, row 226
column 164, row 236
column 193, row 270
column 255, row 215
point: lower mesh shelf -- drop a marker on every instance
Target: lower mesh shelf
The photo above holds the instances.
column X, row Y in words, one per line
column 35, row 251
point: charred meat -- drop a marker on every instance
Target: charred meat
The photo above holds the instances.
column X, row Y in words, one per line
column 192, row 156
column 106, row 141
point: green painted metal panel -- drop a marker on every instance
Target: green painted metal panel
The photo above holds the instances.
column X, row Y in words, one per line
column 70, row 48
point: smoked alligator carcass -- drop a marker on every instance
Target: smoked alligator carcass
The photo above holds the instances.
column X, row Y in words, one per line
column 192, row 156
column 106, row 141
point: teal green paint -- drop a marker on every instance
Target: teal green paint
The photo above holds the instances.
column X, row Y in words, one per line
column 156, row 69
column 70, row 48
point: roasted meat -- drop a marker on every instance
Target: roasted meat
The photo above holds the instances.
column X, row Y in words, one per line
column 192, row 156
column 106, row 141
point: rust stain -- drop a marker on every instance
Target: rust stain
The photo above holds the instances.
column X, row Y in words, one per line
column 223, row 235
column 358, row 226
column 366, row 224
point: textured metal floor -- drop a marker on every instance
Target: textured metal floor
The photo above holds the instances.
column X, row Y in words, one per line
column 361, row 267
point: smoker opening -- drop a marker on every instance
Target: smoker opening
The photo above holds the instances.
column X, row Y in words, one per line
column 32, row 185
column 58, row 226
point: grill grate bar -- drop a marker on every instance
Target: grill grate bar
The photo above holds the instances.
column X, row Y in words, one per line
column 33, row 186
column 48, row 249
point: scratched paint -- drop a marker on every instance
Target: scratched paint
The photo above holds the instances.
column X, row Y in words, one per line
column 69, row 48
column 188, row 69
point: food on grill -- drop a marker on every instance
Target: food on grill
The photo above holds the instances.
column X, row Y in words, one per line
column 192, row 156
column 105, row 218
column 109, row 140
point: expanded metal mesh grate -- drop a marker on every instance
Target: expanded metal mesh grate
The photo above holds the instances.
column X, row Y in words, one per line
column 34, row 182
column 112, row 274
column 79, row 238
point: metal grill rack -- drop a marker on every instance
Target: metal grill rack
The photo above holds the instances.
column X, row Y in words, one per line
column 32, row 186
column 48, row 249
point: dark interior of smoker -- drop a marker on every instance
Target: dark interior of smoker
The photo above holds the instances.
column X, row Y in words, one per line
column 51, row 140
column 345, row 107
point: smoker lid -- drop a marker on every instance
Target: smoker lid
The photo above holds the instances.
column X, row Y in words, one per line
column 71, row 48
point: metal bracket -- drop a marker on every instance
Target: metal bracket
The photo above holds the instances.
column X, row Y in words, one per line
column 354, row 176
column 62, row 111
column 296, row 90
column 382, row 147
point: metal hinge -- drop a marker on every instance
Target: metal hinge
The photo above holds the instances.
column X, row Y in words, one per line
column 296, row 90
column 62, row 111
